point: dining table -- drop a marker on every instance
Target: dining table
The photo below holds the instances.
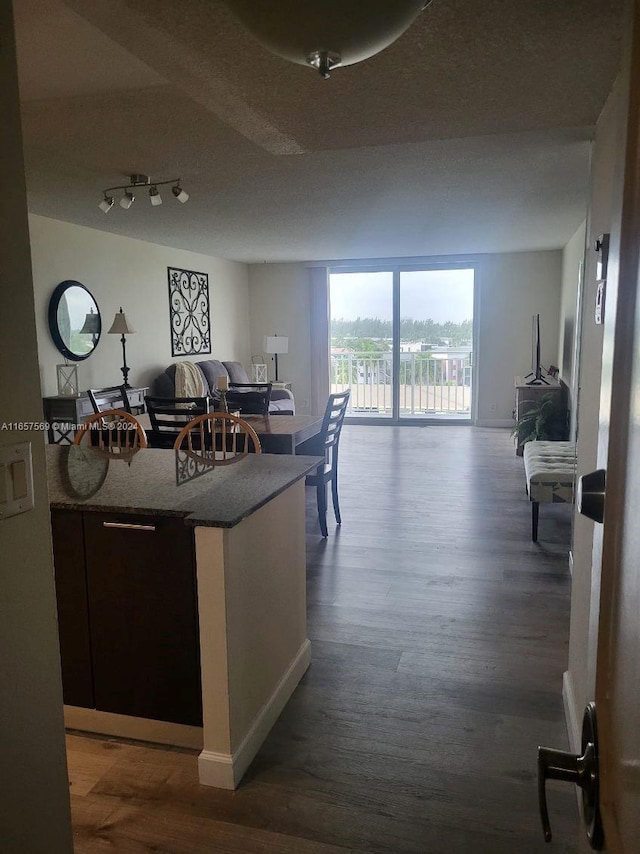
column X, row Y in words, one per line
column 278, row 434
column 281, row 434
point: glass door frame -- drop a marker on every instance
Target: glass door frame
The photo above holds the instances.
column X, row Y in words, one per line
column 396, row 269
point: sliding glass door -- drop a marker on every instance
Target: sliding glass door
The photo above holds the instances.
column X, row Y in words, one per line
column 362, row 340
column 402, row 340
column 435, row 343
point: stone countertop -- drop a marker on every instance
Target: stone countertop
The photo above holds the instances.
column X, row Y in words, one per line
column 169, row 483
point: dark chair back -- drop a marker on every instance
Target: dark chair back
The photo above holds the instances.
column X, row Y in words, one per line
column 168, row 415
column 332, row 422
column 325, row 445
column 249, row 398
column 111, row 397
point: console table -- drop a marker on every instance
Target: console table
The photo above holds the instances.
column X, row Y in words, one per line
column 63, row 414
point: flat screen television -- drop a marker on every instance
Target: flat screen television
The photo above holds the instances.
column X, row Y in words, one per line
column 535, row 377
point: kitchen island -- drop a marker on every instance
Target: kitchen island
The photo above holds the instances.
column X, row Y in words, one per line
column 181, row 597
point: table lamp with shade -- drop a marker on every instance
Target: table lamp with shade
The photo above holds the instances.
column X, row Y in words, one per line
column 275, row 345
column 122, row 327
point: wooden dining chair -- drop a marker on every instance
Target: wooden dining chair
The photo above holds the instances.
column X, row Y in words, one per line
column 218, row 436
column 168, row 415
column 111, row 397
column 113, row 429
column 325, row 445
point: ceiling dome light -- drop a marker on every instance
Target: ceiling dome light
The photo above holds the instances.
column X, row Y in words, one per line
column 127, row 200
column 106, row 204
column 154, row 195
column 180, row 194
column 329, row 33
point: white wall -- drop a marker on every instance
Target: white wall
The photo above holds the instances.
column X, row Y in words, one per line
column 34, row 804
column 579, row 680
column 281, row 305
column 572, row 255
column 512, row 287
column 120, row 271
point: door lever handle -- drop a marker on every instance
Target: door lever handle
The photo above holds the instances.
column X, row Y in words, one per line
column 591, row 495
column 580, row 770
column 560, row 765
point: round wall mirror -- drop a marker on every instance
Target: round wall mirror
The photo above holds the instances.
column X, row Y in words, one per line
column 74, row 320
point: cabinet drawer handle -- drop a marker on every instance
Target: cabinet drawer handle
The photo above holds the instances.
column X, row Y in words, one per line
column 129, row 526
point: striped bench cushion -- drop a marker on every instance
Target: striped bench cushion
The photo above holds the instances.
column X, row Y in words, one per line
column 550, row 470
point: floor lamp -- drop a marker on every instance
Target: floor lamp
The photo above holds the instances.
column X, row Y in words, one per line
column 121, row 326
column 275, row 345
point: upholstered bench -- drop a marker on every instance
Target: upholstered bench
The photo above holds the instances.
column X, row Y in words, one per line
column 550, row 471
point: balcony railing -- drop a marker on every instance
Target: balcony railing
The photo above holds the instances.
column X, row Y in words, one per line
column 430, row 386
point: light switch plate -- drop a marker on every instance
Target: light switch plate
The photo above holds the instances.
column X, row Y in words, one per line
column 16, row 479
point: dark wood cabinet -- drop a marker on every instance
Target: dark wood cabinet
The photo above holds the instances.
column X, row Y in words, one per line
column 141, row 613
column 73, row 611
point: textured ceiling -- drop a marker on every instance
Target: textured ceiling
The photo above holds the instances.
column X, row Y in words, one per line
column 469, row 134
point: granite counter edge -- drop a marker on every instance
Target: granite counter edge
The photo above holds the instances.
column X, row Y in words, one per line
column 201, row 521
column 191, row 517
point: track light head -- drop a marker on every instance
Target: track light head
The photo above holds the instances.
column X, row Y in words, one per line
column 106, row 204
column 127, row 200
column 180, row 194
column 154, row 195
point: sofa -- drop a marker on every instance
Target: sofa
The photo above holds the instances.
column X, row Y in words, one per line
column 282, row 401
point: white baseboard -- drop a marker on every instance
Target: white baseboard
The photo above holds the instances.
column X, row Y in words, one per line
column 126, row 726
column 496, row 422
column 572, row 714
column 224, row 770
column 216, row 769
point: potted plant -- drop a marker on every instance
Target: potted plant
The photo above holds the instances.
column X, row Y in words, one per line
column 545, row 419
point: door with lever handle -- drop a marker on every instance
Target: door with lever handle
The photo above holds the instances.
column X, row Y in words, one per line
column 581, row 770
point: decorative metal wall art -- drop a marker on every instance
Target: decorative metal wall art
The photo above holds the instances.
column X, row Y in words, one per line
column 189, row 312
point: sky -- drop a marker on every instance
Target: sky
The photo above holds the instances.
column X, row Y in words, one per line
column 437, row 294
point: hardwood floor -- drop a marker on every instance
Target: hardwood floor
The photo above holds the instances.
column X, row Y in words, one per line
column 439, row 637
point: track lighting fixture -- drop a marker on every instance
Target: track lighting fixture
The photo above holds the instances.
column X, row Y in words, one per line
column 127, row 198
column 180, row 194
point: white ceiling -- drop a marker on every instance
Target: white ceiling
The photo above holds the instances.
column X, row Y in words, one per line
column 469, row 134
